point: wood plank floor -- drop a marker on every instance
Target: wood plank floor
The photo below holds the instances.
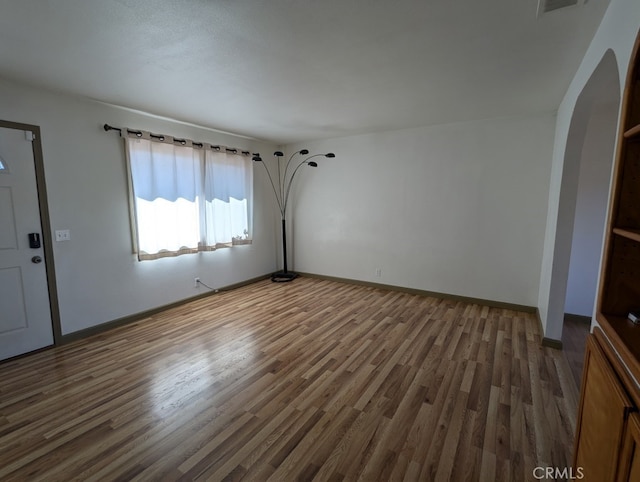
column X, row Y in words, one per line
column 310, row 380
column 574, row 343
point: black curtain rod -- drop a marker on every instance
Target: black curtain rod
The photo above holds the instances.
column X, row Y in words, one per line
column 108, row 128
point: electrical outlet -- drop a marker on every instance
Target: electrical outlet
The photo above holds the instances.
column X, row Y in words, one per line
column 196, row 282
column 378, row 272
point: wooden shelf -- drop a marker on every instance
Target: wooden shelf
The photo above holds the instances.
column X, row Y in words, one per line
column 632, row 234
column 633, row 132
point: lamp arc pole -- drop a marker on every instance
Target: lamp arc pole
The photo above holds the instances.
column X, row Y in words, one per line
column 282, row 189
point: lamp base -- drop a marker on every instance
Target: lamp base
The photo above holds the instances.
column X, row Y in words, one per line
column 283, row 276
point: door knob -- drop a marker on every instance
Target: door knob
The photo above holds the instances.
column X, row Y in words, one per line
column 36, row 259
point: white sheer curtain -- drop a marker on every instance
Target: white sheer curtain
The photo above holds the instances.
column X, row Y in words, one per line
column 228, row 193
column 187, row 199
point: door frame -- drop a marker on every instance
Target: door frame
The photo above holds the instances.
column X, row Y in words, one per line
column 45, row 224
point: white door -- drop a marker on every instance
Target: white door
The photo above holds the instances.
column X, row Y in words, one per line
column 25, row 313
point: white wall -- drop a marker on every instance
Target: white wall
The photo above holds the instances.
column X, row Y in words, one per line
column 617, row 32
column 591, row 210
column 457, row 209
column 98, row 277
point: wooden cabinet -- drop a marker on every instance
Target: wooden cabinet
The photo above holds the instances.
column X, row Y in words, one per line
column 602, row 418
column 607, row 445
column 630, row 459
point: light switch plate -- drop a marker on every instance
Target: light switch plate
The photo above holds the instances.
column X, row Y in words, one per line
column 63, row 235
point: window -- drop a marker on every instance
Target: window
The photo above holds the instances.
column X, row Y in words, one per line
column 187, row 198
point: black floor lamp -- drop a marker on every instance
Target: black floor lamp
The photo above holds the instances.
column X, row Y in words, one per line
column 282, row 197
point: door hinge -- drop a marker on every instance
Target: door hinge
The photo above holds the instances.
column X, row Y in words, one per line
column 30, row 136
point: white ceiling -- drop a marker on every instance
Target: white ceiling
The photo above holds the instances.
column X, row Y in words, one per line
column 292, row 70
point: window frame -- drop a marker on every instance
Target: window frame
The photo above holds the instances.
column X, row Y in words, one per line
column 247, row 236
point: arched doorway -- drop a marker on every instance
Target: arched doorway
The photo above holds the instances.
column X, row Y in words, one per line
column 584, row 196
